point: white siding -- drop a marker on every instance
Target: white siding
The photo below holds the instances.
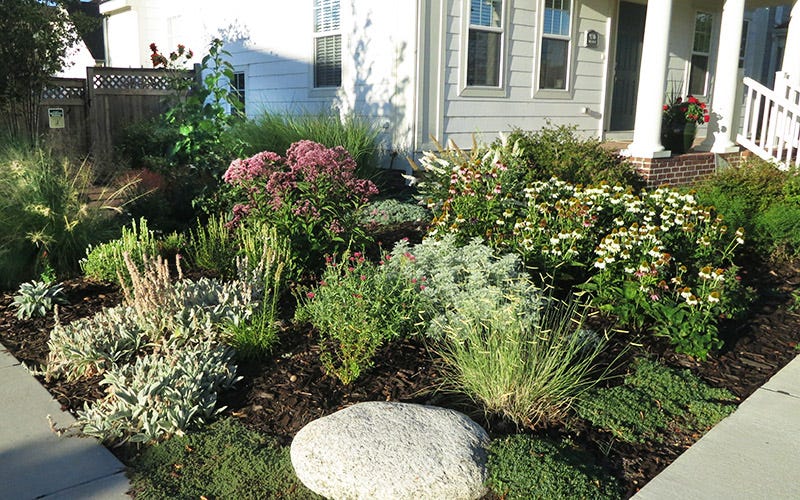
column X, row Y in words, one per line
column 522, row 107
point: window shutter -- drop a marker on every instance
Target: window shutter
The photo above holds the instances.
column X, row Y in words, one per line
column 328, row 64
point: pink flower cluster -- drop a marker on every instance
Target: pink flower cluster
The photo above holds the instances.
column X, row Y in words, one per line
column 307, row 182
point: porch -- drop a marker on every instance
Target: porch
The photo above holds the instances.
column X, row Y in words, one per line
column 764, row 121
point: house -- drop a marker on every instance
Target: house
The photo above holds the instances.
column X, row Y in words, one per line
column 451, row 69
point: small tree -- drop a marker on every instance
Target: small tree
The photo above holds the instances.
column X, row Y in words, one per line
column 35, row 38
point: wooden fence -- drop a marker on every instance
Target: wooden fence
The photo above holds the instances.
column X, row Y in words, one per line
column 89, row 115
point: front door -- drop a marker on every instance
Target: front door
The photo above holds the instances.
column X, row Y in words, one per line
column 630, row 38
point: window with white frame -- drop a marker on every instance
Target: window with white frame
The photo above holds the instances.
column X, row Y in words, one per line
column 701, row 51
column 485, row 43
column 555, row 44
column 327, row 44
column 238, row 87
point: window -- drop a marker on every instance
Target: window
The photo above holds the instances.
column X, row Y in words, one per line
column 485, row 43
column 327, row 44
column 237, row 84
column 743, row 44
column 701, row 48
column 556, row 33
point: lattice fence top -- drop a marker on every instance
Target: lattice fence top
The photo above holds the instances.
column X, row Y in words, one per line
column 150, row 82
column 63, row 92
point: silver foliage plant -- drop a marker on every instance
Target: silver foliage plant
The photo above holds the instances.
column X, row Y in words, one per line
column 462, row 277
column 161, row 353
column 161, row 394
column 37, row 298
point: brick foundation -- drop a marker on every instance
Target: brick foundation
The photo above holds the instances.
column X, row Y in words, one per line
column 681, row 170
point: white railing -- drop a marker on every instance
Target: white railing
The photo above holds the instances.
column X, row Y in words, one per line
column 771, row 124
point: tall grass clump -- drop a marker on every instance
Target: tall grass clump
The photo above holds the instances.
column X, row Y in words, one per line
column 276, row 132
column 530, row 372
column 46, row 219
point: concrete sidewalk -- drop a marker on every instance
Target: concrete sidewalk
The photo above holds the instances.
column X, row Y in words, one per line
column 36, row 463
column 752, row 454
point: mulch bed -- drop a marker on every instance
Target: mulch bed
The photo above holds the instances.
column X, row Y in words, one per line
column 280, row 396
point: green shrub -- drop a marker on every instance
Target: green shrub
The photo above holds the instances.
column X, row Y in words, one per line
column 742, row 194
column 147, row 144
column 224, row 460
column 524, row 467
column 559, row 152
column 45, row 218
column 274, row 132
column 652, row 400
column 37, row 298
column 780, row 225
column 105, row 261
column 530, row 372
column 358, row 307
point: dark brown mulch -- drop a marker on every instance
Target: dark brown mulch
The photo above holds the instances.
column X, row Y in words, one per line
column 281, row 395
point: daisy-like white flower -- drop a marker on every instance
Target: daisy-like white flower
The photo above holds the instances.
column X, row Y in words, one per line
column 713, row 297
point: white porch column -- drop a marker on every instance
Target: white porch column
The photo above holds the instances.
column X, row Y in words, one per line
column 791, row 53
column 726, row 77
column 652, row 82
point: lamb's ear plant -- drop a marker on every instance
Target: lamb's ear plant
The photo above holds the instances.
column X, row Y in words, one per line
column 37, row 298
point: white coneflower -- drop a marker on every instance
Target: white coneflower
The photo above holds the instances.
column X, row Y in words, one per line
column 713, row 297
column 600, row 263
column 691, row 300
column 705, row 273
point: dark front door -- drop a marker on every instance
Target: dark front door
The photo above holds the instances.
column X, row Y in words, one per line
column 630, row 37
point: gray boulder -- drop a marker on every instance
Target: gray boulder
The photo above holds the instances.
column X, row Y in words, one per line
column 391, row 451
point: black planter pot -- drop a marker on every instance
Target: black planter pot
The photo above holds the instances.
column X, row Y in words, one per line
column 678, row 137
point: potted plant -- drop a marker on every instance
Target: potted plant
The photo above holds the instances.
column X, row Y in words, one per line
column 679, row 122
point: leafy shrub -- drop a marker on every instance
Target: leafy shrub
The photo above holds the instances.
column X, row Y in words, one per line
column 147, row 144
column 160, row 394
column 652, row 399
column 390, row 211
column 36, row 298
column 528, row 371
column 312, row 196
column 105, row 261
column 521, row 466
column 742, row 194
column 357, row 307
column 780, row 225
column 223, row 460
column 45, row 218
column 273, row 132
column 559, row 152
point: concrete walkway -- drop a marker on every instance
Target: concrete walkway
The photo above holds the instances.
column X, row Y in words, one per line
column 752, row 454
column 35, row 462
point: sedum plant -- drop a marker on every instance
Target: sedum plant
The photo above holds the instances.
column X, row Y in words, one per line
column 37, row 298
column 161, row 394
